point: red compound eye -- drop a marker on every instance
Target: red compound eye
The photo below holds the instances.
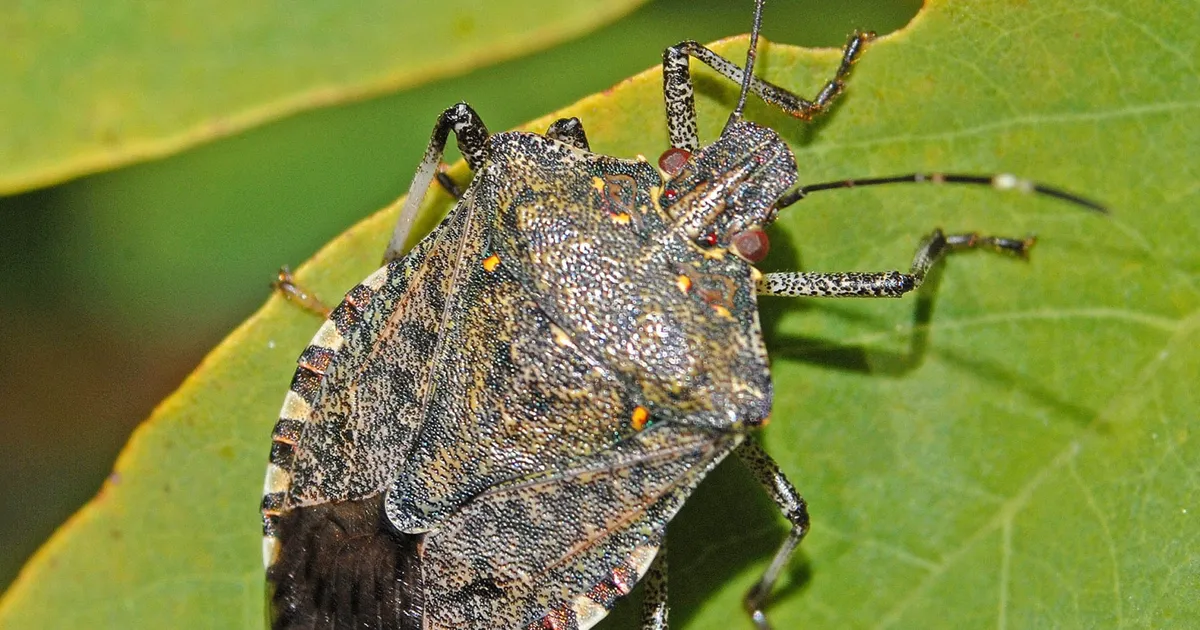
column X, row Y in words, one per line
column 751, row 244
column 673, row 160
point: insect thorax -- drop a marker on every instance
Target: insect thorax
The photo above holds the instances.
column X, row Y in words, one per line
column 626, row 280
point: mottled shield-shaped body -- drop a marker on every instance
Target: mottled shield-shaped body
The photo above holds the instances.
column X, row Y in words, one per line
column 494, row 430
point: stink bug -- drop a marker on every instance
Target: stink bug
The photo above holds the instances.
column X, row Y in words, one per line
column 494, row 429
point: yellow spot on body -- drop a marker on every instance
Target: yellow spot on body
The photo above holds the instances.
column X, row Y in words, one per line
column 684, row 283
column 598, row 184
column 560, row 336
column 721, row 310
column 295, row 407
column 755, row 274
column 328, row 337
column 277, row 479
column 640, row 416
column 716, row 253
column 621, row 218
column 491, row 262
column 587, row 612
column 641, row 558
column 375, row 280
column 270, row 550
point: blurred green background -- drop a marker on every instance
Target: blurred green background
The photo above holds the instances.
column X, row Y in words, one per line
column 115, row 285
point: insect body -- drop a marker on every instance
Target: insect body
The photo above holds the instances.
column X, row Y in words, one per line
column 494, row 429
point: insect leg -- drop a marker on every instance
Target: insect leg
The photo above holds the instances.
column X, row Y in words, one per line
column 654, row 602
column 449, row 185
column 286, row 285
column 569, row 131
column 680, row 97
column 472, row 136
column 887, row 283
column 794, row 508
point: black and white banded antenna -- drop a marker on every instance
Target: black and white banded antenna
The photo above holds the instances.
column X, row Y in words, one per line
column 1001, row 181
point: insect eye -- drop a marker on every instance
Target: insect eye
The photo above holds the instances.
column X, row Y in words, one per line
column 673, row 160
column 751, row 244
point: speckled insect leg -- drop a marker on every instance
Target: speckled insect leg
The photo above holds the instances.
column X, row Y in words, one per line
column 654, row 602
column 569, row 131
column 886, row 283
column 680, row 96
column 472, row 136
column 794, row 508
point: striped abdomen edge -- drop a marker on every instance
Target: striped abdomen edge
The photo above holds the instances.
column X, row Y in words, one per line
column 302, row 398
column 586, row 610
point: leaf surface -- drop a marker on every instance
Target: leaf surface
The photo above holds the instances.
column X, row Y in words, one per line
column 94, row 85
column 1013, row 449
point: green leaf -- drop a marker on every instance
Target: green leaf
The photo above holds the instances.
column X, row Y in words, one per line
column 94, row 85
column 1013, row 449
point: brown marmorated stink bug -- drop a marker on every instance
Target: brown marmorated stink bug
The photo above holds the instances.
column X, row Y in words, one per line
column 494, row 429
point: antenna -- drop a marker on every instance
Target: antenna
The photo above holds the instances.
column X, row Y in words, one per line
column 1002, row 181
column 748, row 73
